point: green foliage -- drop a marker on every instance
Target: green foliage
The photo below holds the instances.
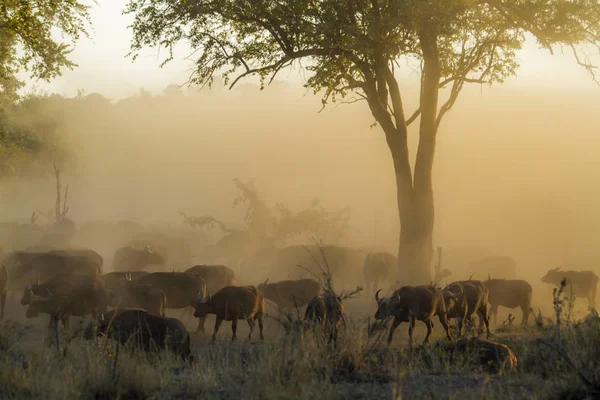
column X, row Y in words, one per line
column 26, row 41
column 355, row 45
column 32, row 135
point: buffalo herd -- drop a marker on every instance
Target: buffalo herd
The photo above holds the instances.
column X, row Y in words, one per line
column 131, row 304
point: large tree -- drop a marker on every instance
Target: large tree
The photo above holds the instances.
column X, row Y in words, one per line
column 26, row 42
column 355, row 46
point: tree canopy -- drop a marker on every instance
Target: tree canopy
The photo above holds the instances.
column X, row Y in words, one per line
column 26, row 39
column 356, row 46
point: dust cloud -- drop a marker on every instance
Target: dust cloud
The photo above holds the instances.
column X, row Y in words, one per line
column 515, row 173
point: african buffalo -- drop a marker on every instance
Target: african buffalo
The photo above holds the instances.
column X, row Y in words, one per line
column 584, row 284
column 464, row 299
column 134, row 295
column 67, row 295
column 129, row 258
column 145, row 331
column 216, row 277
column 411, row 303
column 328, row 311
column 510, row 293
column 181, row 289
column 231, row 304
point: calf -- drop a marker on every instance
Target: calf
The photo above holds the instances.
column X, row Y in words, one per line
column 231, row 304
column 411, row 303
column 290, row 293
column 582, row 283
column 510, row 293
column 145, row 330
column 464, row 299
column 328, row 311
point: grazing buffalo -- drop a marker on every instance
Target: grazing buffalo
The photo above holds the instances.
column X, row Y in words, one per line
column 328, row 311
column 290, row 294
column 182, row 290
column 67, row 295
column 145, row 331
column 216, row 277
column 134, row 295
column 113, row 280
column 464, row 299
column 411, row 303
column 584, row 284
column 496, row 266
column 231, row 304
column 378, row 269
column 510, row 293
column 45, row 266
column 3, row 289
column 129, row 258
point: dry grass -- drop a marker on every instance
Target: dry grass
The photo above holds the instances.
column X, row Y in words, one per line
column 553, row 362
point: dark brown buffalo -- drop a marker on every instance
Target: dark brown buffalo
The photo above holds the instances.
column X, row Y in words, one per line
column 510, row 293
column 45, row 266
column 144, row 330
column 129, row 258
column 328, row 311
column 67, row 295
column 112, row 280
column 216, row 277
column 411, row 303
column 3, row 288
column 583, row 284
column 182, row 290
column 231, row 304
column 290, row 294
column 464, row 299
column 134, row 295
column 378, row 270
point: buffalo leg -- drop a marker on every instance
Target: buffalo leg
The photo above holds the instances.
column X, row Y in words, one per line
column 525, row 315
column 201, row 321
column 411, row 329
column 395, row 325
column 444, row 321
column 218, row 323
column 261, row 320
column 429, row 326
column 234, row 329
column 251, row 326
column 484, row 319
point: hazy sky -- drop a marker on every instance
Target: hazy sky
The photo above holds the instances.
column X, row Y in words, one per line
column 103, row 67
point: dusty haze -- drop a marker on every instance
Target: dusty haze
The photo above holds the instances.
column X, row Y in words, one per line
column 515, row 172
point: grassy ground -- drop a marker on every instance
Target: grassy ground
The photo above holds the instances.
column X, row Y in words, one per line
column 552, row 363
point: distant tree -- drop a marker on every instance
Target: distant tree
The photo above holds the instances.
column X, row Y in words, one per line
column 26, row 43
column 356, row 46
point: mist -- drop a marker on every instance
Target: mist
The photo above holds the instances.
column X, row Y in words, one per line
column 514, row 170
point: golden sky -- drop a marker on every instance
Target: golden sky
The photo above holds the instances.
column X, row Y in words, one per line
column 103, row 67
